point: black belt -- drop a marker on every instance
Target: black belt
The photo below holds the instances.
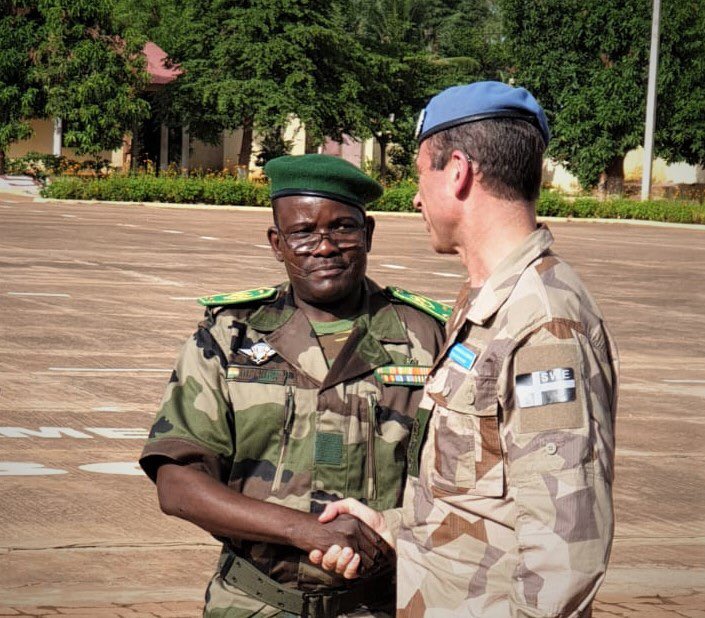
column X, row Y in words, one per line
column 240, row 573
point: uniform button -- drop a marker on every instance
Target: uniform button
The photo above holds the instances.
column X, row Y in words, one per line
column 551, row 448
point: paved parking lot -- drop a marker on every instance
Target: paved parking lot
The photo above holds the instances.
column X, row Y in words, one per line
column 95, row 301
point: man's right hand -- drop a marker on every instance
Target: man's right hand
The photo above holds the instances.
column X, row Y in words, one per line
column 343, row 559
column 347, row 531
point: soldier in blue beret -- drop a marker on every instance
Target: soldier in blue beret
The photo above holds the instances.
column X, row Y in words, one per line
column 508, row 509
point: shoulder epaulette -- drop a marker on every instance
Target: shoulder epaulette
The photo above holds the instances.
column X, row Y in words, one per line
column 440, row 311
column 237, row 298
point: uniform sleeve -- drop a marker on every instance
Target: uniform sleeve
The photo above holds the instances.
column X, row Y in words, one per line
column 192, row 426
column 559, row 405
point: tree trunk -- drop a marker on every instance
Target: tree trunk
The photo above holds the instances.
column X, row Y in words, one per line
column 2, row 161
column 611, row 182
column 243, row 159
column 311, row 146
column 382, row 157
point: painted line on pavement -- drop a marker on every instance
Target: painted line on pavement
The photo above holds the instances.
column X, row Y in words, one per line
column 109, row 370
column 451, row 275
column 38, row 294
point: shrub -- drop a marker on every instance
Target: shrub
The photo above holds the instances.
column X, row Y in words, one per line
column 225, row 189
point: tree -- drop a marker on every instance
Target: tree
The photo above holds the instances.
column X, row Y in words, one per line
column 253, row 64
column 20, row 99
column 91, row 72
column 587, row 63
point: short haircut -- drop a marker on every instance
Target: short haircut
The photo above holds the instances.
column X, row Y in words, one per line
column 507, row 151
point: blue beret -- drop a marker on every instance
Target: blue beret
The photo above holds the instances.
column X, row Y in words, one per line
column 321, row 176
column 479, row 101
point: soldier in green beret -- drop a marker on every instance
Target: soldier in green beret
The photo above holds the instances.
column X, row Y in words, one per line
column 290, row 397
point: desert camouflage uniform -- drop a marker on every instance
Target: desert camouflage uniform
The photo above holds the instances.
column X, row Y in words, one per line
column 289, row 430
column 511, row 513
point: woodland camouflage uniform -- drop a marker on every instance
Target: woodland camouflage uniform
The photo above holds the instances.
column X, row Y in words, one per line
column 284, row 428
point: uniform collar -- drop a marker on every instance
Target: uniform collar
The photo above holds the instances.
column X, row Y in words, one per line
column 502, row 281
column 290, row 333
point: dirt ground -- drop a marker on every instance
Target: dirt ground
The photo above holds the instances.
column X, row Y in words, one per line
column 95, row 301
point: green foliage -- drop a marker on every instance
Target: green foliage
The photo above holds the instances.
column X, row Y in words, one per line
column 92, row 73
column 214, row 189
column 273, row 145
column 41, row 166
column 398, row 198
column 587, row 63
column 19, row 97
column 150, row 188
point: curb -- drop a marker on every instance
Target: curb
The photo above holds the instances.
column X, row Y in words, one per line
column 377, row 213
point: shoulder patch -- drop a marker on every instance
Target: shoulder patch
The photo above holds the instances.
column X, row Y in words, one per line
column 237, row 298
column 440, row 311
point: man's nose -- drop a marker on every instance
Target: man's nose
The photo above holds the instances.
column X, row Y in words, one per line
column 326, row 247
column 417, row 201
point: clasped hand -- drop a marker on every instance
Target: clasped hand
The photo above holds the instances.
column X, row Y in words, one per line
column 344, row 559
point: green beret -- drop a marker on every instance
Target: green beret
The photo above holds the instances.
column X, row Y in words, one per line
column 321, row 176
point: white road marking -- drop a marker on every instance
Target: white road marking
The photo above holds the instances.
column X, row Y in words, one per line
column 263, row 246
column 453, row 275
column 38, row 294
column 26, row 468
column 172, row 231
column 208, row 238
column 130, row 468
column 394, row 266
column 685, row 381
column 110, row 370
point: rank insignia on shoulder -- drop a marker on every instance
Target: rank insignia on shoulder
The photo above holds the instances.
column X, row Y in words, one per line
column 400, row 375
column 440, row 311
column 237, row 298
column 259, row 353
column 541, row 388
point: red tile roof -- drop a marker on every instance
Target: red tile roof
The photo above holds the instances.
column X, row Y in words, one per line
column 159, row 73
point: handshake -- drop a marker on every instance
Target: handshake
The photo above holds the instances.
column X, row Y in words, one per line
column 367, row 550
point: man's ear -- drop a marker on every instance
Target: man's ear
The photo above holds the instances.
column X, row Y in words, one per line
column 273, row 237
column 370, row 230
column 462, row 173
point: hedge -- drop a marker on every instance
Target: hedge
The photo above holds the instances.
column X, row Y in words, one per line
column 398, row 198
column 148, row 188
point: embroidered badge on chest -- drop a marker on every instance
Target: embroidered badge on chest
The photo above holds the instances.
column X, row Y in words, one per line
column 541, row 388
column 259, row 353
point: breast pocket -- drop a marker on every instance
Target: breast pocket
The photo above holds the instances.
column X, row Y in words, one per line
column 468, row 453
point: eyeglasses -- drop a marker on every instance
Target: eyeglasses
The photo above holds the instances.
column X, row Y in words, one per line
column 344, row 237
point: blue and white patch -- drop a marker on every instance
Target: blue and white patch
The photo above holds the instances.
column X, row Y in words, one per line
column 541, row 388
column 462, row 355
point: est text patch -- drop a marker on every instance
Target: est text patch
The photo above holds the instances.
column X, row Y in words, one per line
column 240, row 373
column 541, row 388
